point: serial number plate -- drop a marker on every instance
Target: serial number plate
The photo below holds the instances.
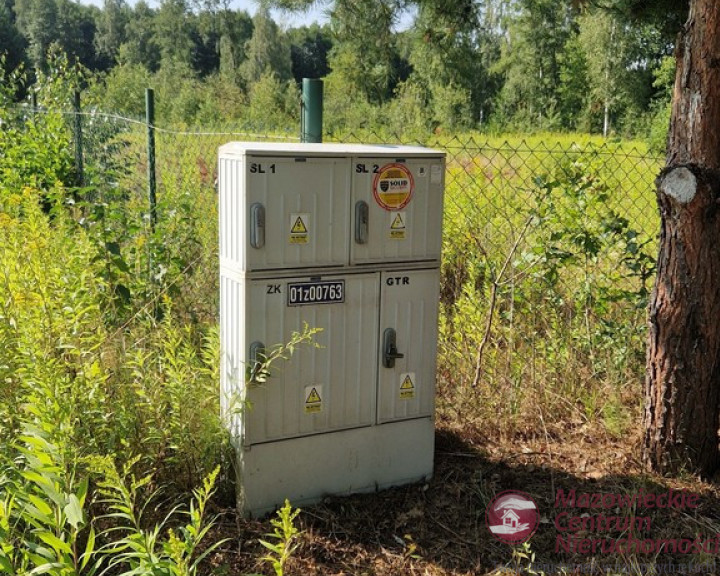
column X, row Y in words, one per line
column 320, row 292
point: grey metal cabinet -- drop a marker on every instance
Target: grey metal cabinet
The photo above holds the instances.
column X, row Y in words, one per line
column 346, row 240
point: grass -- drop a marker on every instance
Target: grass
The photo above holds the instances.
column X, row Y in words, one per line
column 547, row 308
column 108, row 332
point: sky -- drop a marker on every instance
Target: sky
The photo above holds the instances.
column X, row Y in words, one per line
column 316, row 14
column 283, row 19
column 287, row 19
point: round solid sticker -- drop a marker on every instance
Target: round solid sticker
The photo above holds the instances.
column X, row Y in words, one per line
column 393, row 186
column 512, row 517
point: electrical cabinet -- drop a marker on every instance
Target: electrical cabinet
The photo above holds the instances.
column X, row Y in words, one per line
column 345, row 240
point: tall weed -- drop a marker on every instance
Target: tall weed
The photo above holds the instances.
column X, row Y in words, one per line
column 545, row 311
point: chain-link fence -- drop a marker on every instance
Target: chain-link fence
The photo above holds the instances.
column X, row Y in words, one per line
column 548, row 255
column 549, row 251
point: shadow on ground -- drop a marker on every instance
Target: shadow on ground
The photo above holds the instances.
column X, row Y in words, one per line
column 439, row 527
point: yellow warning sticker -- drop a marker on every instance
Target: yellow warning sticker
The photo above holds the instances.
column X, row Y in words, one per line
column 313, row 399
column 407, row 385
column 397, row 226
column 393, row 186
column 299, row 228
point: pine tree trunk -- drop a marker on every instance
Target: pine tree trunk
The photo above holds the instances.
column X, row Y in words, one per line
column 682, row 387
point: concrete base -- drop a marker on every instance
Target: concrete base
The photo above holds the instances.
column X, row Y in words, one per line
column 306, row 469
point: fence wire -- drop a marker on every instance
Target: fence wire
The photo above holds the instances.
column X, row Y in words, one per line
column 549, row 247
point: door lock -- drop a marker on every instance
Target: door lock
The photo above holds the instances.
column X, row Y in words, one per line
column 257, row 363
column 257, row 225
column 361, row 222
column 390, row 351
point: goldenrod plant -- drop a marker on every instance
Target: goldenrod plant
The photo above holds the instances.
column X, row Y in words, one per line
column 44, row 528
column 259, row 372
column 283, row 536
column 161, row 550
column 524, row 554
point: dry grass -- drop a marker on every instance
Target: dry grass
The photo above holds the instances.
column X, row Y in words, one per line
column 439, row 528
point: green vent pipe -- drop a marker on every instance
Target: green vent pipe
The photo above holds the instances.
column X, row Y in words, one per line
column 311, row 110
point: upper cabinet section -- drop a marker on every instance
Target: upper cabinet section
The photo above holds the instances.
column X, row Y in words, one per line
column 299, row 206
column 397, row 208
column 289, row 212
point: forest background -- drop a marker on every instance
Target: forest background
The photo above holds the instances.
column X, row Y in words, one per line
column 498, row 65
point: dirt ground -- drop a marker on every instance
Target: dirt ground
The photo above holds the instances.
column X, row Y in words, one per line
column 439, row 528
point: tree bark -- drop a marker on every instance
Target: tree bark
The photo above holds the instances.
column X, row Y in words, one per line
column 682, row 385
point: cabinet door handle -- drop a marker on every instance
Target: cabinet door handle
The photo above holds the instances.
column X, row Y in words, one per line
column 256, row 362
column 390, row 351
column 257, row 225
column 362, row 215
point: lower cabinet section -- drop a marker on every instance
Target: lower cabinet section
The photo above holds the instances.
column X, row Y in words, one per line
column 350, row 412
column 306, row 469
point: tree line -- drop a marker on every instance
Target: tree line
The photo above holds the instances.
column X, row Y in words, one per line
column 521, row 65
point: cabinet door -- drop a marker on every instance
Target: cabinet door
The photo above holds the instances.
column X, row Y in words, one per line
column 298, row 212
column 397, row 210
column 330, row 386
column 409, row 316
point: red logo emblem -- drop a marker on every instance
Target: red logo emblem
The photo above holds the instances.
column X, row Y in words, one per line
column 512, row 517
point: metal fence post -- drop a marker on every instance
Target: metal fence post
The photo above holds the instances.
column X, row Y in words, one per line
column 78, row 140
column 151, row 178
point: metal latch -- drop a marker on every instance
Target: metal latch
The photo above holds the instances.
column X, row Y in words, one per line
column 256, row 362
column 361, row 222
column 257, row 225
column 390, row 352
